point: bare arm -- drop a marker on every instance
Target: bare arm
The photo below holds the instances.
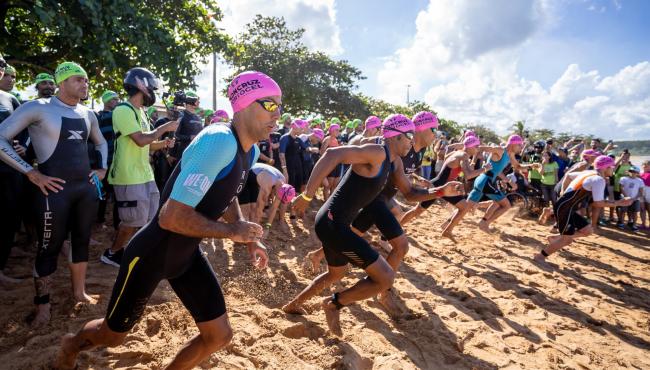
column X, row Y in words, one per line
column 146, row 138
column 370, row 154
column 414, row 193
column 182, row 219
column 467, row 169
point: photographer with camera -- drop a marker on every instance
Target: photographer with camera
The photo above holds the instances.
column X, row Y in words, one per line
column 190, row 123
column 130, row 173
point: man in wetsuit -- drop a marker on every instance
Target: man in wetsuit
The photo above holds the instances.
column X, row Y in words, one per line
column 371, row 166
column 577, row 187
column 455, row 163
column 202, row 189
column 45, row 85
column 290, row 154
column 67, row 202
column 131, row 174
column 11, row 186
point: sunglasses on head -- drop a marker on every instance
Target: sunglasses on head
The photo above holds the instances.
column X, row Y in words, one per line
column 409, row 135
column 269, row 105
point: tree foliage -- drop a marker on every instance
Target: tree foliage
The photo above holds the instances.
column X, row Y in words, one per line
column 109, row 37
column 312, row 83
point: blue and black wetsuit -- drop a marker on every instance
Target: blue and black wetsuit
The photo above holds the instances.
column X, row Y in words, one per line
column 485, row 183
column 208, row 178
column 340, row 244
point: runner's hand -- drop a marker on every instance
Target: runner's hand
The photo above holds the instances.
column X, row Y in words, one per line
column 170, row 142
column 625, row 202
column 299, row 204
column 487, row 167
column 20, row 150
column 44, row 182
column 259, row 255
column 246, row 232
column 452, row 189
column 101, row 173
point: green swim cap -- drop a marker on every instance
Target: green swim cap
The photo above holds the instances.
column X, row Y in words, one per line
column 208, row 113
column 150, row 111
column 108, row 95
column 9, row 70
column 284, row 117
column 335, row 120
column 356, row 122
column 315, row 121
column 41, row 77
column 66, row 70
column 191, row 94
column 349, row 124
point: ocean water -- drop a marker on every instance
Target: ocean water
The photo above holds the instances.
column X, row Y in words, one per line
column 637, row 160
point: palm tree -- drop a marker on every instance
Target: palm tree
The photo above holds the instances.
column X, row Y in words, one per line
column 519, row 128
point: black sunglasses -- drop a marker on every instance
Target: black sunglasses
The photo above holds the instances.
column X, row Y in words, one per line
column 3, row 64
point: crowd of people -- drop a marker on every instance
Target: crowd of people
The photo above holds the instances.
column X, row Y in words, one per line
column 176, row 175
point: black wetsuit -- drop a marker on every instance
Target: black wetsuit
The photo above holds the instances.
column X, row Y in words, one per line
column 292, row 149
column 378, row 211
column 340, row 244
column 213, row 170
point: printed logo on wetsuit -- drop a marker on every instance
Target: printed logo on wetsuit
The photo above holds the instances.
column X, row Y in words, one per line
column 197, row 183
column 75, row 135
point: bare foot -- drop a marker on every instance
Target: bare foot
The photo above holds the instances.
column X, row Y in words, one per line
column 86, row 298
column 540, row 261
column 6, row 279
column 448, row 235
column 387, row 300
column 311, row 263
column 294, row 308
column 484, row 226
column 332, row 316
column 66, row 358
column 41, row 316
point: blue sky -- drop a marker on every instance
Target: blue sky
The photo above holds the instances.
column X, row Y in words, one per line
column 569, row 65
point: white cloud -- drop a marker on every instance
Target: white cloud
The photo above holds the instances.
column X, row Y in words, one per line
column 463, row 61
column 317, row 17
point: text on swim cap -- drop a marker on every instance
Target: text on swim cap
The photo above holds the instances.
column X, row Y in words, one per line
column 244, row 88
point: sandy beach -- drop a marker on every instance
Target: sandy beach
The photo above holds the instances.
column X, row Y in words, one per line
column 480, row 304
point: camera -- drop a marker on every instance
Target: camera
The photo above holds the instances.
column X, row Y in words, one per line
column 180, row 98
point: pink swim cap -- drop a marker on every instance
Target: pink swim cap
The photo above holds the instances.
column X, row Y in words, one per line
column 590, row 153
column 514, row 140
column 318, row 133
column 286, row 193
column 300, row 123
column 334, row 126
column 469, row 133
column 249, row 86
column 397, row 124
column 373, row 122
column 220, row 116
column 471, row 142
column 604, row 161
column 425, row 120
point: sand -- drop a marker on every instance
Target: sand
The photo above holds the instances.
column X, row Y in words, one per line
column 479, row 304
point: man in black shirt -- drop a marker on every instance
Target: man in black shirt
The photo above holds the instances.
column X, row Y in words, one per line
column 190, row 125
